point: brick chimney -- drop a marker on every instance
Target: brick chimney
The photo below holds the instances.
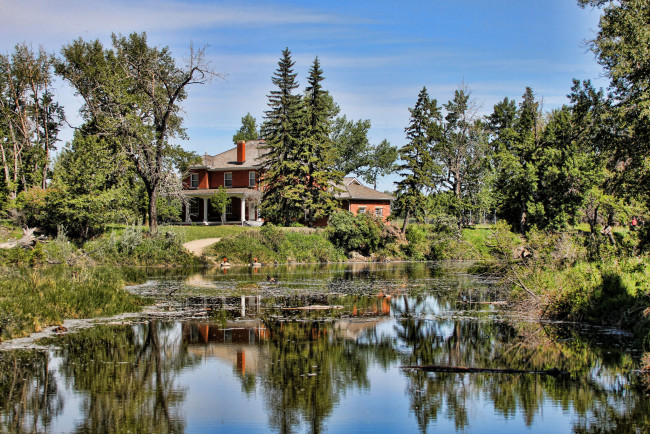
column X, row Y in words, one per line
column 241, row 151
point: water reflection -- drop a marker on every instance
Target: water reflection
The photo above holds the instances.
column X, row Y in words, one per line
column 319, row 361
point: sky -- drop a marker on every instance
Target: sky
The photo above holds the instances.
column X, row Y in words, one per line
column 376, row 55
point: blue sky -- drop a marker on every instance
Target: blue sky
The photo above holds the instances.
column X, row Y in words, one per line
column 376, row 55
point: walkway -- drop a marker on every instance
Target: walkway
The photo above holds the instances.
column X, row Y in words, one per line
column 196, row 247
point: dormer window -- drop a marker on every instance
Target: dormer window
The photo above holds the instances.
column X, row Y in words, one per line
column 251, row 179
column 227, row 179
column 194, row 180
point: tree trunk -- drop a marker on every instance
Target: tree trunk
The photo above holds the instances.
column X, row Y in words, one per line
column 406, row 219
column 153, row 209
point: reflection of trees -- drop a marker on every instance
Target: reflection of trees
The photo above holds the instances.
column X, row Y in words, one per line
column 128, row 375
column 29, row 396
column 597, row 389
column 308, row 371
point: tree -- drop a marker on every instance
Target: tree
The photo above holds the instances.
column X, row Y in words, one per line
column 220, row 201
column 132, row 93
column 381, row 162
column 283, row 173
column 517, row 179
column 351, row 144
column 248, row 130
column 419, row 170
column 461, row 153
column 622, row 47
column 31, row 118
column 317, row 150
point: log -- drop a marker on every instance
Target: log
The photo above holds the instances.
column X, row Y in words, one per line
column 27, row 241
column 555, row 372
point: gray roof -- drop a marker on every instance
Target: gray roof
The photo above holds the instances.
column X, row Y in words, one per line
column 353, row 189
column 228, row 159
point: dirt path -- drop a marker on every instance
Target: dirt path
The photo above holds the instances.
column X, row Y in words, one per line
column 197, row 246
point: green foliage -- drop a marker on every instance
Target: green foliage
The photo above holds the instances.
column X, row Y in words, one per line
column 24, row 257
column 82, row 217
column 31, row 299
column 298, row 154
column 419, row 170
column 381, row 162
column 418, row 247
column 284, row 188
column 137, row 246
column 30, row 119
column 360, row 233
column 351, row 144
column 132, row 93
column 219, row 201
column 248, row 129
column 272, row 244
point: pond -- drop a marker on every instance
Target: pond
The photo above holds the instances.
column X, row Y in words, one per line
column 326, row 349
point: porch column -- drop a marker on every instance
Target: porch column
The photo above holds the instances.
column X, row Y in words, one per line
column 205, row 209
column 242, row 214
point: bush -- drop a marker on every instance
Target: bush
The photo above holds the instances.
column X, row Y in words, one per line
column 419, row 246
column 272, row 244
column 361, row 233
column 137, row 246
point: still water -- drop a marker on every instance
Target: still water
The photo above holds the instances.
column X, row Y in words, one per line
column 324, row 349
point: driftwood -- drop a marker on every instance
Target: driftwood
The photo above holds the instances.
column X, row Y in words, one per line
column 464, row 370
column 27, row 241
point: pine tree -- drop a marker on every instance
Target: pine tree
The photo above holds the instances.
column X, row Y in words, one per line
column 318, row 152
column 419, row 172
column 283, row 171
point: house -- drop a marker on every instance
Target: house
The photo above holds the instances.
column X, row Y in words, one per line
column 237, row 171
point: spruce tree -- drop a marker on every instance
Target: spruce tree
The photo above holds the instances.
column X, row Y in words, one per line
column 283, row 176
column 419, row 172
column 317, row 149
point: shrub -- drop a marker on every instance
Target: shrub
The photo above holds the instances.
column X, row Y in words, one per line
column 137, row 246
column 361, row 233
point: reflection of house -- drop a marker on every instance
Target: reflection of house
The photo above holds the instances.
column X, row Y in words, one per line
column 236, row 170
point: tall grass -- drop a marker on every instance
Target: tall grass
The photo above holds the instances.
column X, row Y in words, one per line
column 273, row 244
column 137, row 246
column 34, row 298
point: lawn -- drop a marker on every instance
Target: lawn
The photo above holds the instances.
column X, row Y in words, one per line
column 199, row 232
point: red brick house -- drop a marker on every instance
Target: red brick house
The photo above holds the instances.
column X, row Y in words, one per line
column 236, row 170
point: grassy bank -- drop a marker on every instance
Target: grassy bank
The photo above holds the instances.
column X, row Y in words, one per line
column 272, row 244
column 34, row 298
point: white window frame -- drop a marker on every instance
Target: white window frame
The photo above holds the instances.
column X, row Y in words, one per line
column 361, row 210
column 194, row 180
column 194, row 207
column 229, row 209
column 225, row 179
column 251, row 179
column 379, row 211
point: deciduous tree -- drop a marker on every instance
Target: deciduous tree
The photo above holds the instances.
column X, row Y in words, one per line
column 132, row 93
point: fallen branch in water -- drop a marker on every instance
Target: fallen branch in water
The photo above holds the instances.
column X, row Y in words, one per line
column 464, row 370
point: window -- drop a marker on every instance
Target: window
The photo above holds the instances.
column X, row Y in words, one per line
column 194, row 180
column 229, row 209
column 361, row 210
column 194, row 206
column 379, row 211
column 227, row 179
column 251, row 179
